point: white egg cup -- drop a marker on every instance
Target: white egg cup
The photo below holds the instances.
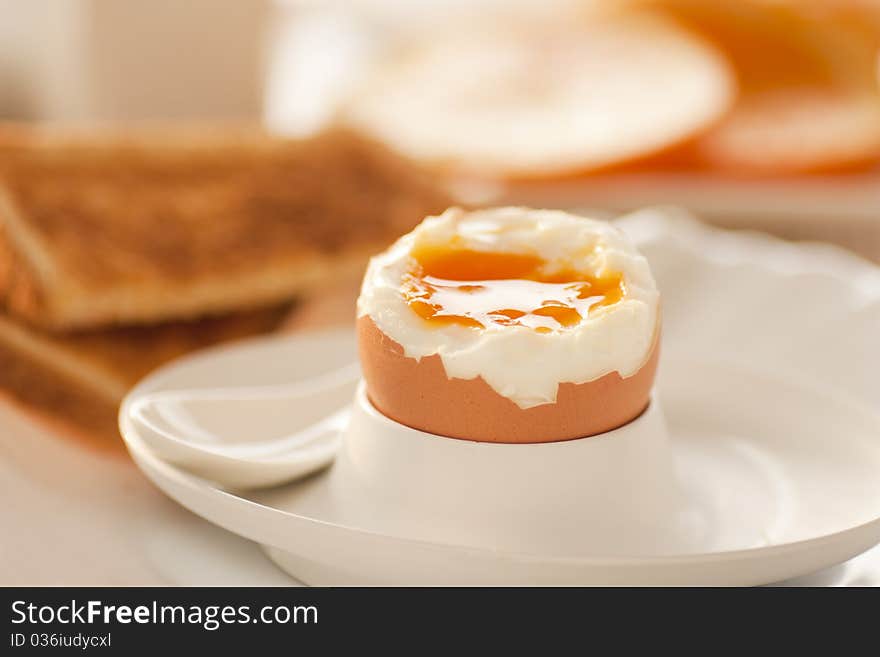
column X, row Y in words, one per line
column 614, row 493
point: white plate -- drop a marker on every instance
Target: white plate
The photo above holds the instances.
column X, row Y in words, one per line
column 767, row 382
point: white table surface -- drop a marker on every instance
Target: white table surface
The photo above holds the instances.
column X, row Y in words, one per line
column 72, row 516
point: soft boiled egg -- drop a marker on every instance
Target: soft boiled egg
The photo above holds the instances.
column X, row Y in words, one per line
column 510, row 325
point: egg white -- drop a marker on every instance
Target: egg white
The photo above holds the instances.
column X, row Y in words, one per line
column 515, row 361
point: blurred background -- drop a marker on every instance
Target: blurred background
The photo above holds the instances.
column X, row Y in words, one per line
column 752, row 113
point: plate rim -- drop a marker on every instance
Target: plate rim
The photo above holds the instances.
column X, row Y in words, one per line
column 862, row 279
column 140, row 450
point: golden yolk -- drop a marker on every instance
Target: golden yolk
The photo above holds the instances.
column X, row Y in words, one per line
column 478, row 288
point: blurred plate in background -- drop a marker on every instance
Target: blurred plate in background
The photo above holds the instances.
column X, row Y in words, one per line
column 812, row 174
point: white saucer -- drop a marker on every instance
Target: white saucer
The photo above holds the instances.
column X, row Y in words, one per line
column 776, row 443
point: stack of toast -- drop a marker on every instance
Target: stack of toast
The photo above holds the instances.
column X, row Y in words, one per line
column 121, row 251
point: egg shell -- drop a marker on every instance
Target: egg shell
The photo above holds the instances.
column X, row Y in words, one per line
column 419, row 394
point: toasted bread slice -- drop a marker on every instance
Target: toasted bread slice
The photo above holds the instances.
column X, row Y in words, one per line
column 81, row 378
column 138, row 227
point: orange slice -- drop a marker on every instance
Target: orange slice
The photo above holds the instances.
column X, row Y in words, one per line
column 797, row 130
column 809, row 99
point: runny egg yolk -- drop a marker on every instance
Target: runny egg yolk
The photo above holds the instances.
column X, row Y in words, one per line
column 478, row 288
